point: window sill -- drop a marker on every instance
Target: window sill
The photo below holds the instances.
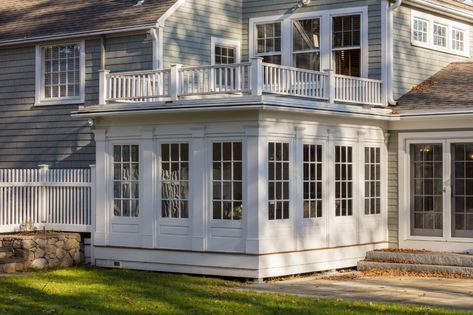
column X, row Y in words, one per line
column 440, row 49
column 75, row 101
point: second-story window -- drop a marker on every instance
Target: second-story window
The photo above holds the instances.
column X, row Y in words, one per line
column 59, row 77
column 440, row 35
column 419, row 30
column 346, row 47
column 306, row 44
column 458, row 40
column 268, row 42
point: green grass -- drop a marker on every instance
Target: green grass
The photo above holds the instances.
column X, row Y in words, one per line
column 101, row 291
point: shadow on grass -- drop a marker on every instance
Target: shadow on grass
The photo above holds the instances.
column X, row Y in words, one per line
column 102, row 291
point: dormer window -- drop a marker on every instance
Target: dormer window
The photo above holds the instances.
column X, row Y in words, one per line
column 60, row 74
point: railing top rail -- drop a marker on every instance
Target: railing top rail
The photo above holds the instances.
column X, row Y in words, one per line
column 230, row 65
column 138, row 72
column 272, row 65
column 358, row 78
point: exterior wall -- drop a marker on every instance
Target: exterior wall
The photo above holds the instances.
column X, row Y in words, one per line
column 188, row 31
column 289, row 242
column 412, row 64
column 32, row 135
column 257, row 8
column 393, row 191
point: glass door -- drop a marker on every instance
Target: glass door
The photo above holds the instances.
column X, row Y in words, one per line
column 426, row 189
column 462, row 190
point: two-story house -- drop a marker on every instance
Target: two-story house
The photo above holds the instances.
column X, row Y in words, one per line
column 248, row 138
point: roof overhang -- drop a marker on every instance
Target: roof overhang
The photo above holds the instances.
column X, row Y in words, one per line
column 443, row 8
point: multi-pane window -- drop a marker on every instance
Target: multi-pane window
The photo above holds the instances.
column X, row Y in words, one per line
column 227, row 181
column 61, row 72
column 278, row 181
column 306, row 44
column 462, row 194
column 268, row 42
column 312, row 181
column 346, row 47
column 224, row 55
column 420, row 30
column 458, row 40
column 126, row 177
column 343, row 181
column 175, row 180
column 440, row 35
column 372, row 180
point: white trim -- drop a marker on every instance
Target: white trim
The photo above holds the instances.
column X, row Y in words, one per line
column 224, row 42
column 161, row 21
column 450, row 25
column 325, row 34
column 39, row 92
column 443, row 8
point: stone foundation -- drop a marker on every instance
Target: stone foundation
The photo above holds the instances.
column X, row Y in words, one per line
column 45, row 250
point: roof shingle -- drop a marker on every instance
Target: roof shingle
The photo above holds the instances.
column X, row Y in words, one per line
column 450, row 88
column 23, row 19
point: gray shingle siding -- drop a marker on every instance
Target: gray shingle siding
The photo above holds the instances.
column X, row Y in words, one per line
column 393, row 210
column 32, row 135
column 412, row 64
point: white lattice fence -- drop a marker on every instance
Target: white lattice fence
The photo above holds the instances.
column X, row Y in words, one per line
column 59, row 199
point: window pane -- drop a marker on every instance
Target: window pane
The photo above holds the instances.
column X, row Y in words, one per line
column 348, row 62
column 346, row 31
column 372, row 180
column 306, row 34
column 125, row 181
column 278, row 186
column 312, row 181
column 310, row 61
column 343, row 181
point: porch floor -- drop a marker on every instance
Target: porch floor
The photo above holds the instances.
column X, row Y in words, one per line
column 435, row 292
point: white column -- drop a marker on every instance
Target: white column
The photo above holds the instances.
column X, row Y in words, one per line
column 198, row 189
column 102, row 209
column 147, row 171
column 330, row 85
column 297, row 188
column 43, row 168
column 103, row 86
column 257, row 76
column 174, row 82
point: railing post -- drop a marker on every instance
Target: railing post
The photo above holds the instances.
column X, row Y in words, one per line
column 43, row 178
column 174, row 82
column 330, row 85
column 257, row 76
column 103, row 86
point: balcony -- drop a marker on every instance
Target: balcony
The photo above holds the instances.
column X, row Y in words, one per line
column 253, row 78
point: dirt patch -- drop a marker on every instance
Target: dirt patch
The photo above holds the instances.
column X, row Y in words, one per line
column 403, row 250
column 377, row 273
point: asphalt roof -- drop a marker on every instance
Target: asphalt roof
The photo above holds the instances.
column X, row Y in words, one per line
column 23, row 19
column 450, row 88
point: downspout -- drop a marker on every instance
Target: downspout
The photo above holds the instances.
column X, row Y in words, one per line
column 392, row 6
column 156, row 34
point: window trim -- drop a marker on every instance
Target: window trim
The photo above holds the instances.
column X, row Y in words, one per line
column 449, row 24
column 325, row 35
column 39, row 86
column 214, row 41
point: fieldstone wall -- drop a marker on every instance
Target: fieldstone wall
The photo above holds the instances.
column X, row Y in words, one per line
column 49, row 250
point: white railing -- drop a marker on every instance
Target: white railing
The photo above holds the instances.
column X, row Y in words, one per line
column 215, row 79
column 293, row 81
column 255, row 78
column 137, row 86
column 358, row 90
column 58, row 199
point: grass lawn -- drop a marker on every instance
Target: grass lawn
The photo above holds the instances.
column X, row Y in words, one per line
column 102, row 291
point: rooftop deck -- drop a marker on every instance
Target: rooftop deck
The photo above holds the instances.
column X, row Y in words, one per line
column 253, row 78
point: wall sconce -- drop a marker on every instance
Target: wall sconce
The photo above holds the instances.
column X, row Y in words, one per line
column 303, row 3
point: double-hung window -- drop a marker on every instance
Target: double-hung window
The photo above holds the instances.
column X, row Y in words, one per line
column 126, row 179
column 306, row 44
column 346, row 44
column 60, row 74
column 268, row 42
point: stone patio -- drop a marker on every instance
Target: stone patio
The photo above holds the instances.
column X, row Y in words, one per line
column 437, row 292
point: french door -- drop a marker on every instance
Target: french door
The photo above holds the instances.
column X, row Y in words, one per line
column 440, row 189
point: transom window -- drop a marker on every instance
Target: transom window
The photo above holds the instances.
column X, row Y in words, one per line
column 126, row 176
column 346, row 48
column 306, row 44
column 278, row 181
column 60, row 73
column 268, row 42
column 419, row 30
column 227, row 181
column 343, row 181
column 312, row 181
column 175, row 180
column 440, row 35
column 372, row 180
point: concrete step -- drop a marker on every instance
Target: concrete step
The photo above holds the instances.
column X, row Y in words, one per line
column 370, row 265
column 422, row 258
column 6, row 252
column 11, row 265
